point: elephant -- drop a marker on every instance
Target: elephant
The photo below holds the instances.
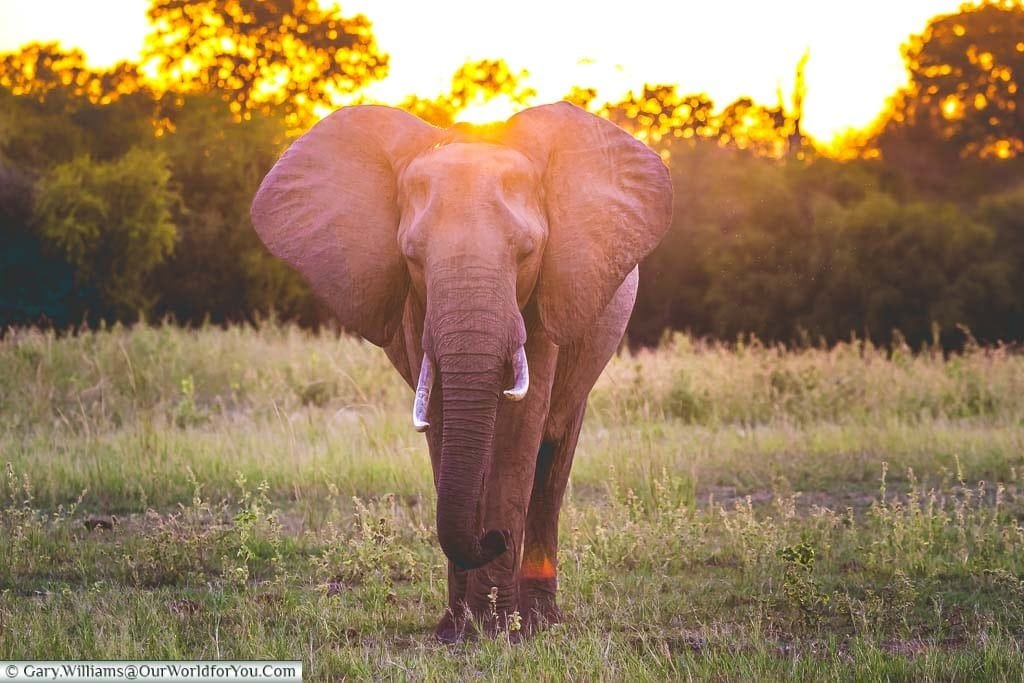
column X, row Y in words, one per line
column 497, row 266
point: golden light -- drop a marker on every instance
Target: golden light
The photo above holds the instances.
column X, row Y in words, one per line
column 1003, row 149
column 498, row 108
column 150, row 69
column 189, row 66
column 613, row 51
column 322, row 110
column 952, row 108
column 273, row 81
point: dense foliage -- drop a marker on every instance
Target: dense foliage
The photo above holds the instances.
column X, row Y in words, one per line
column 125, row 193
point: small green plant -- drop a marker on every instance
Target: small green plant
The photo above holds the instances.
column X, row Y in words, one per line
column 370, row 552
column 181, row 547
column 799, row 586
column 20, row 524
column 255, row 535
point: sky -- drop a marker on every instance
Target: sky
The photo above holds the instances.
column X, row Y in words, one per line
column 725, row 49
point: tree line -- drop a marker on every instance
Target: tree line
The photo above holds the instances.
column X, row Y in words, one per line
column 125, row 192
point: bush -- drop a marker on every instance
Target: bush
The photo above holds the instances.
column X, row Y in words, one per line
column 112, row 222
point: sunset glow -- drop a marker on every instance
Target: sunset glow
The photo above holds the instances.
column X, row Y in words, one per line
column 498, row 108
column 725, row 51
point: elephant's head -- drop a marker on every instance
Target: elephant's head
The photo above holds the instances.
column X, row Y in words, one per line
column 374, row 207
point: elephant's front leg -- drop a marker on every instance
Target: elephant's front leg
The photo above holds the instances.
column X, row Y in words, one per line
column 492, row 591
column 490, row 594
column 538, row 576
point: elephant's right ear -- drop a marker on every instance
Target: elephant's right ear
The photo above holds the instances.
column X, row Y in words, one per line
column 329, row 208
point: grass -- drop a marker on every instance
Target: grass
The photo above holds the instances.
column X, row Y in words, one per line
column 736, row 511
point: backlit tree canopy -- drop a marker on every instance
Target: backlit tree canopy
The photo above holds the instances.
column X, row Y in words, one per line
column 660, row 111
column 659, row 115
column 262, row 54
column 37, row 70
column 477, row 82
column 127, row 190
column 475, row 85
column 964, row 91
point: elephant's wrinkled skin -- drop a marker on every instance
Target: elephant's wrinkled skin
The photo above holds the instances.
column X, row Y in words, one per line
column 461, row 246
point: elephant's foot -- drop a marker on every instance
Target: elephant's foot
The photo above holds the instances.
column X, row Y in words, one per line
column 540, row 610
column 451, row 629
column 492, row 594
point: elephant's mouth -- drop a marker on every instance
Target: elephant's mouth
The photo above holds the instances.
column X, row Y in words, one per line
column 425, row 384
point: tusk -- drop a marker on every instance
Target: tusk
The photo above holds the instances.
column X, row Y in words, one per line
column 422, row 401
column 521, row 376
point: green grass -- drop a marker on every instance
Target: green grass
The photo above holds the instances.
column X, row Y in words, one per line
column 736, row 512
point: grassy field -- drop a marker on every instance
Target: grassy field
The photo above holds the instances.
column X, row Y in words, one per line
column 736, row 512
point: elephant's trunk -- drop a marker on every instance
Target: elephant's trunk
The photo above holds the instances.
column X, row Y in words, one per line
column 472, row 343
column 470, row 385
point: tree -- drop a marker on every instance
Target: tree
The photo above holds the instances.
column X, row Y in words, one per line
column 661, row 117
column 963, row 77
column 660, row 112
column 261, row 55
column 42, row 71
column 477, row 82
column 906, row 266
column 219, row 268
column 473, row 84
column 765, row 254
column 675, row 277
column 1004, row 212
column 111, row 220
column 36, row 286
column 763, row 130
column 963, row 101
column 54, row 108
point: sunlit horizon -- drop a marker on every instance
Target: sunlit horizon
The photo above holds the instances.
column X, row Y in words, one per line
column 497, row 108
column 749, row 49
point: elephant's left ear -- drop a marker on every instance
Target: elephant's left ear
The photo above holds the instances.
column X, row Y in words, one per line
column 609, row 203
column 329, row 208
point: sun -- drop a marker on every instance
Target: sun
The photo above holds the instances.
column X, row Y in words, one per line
column 493, row 110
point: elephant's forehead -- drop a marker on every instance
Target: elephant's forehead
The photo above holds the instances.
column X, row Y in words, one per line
column 469, row 160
